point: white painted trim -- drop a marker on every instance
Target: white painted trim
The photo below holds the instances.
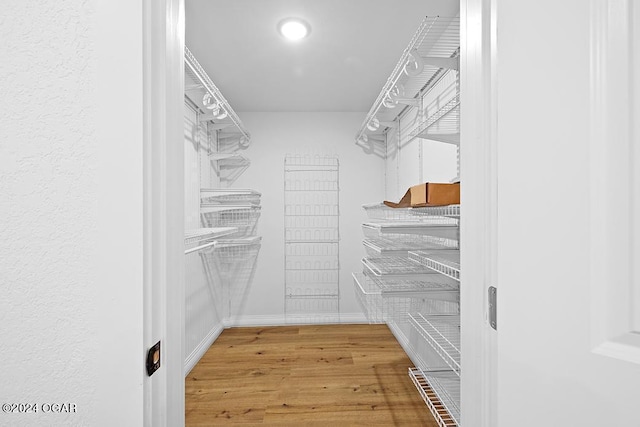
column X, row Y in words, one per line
column 405, row 343
column 192, row 359
column 163, row 294
column 348, row 318
column 612, row 151
column 254, row 320
column 625, row 351
column 280, row 320
column 478, row 172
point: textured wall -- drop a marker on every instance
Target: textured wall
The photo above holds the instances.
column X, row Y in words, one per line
column 70, row 196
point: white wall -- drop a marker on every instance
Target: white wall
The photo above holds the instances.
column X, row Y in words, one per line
column 203, row 296
column 361, row 181
column 71, row 208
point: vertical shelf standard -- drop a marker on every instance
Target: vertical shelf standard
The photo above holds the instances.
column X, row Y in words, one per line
column 312, row 262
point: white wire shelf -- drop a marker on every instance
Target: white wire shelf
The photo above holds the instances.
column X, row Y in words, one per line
column 440, row 390
column 312, row 162
column 396, row 308
column 235, row 242
column 434, row 47
column 400, row 246
column 244, row 218
column 226, row 156
column 432, row 288
column 380, row 302
column 447, row 117
column 442, row 230
column 395, row 267
column 200, row 77
column 231, row 262
column 452, row 211
column 200, row 235
column 369, row 297
column 203, row 237
column 234, row 250
column 447, row 263
column 442, row 332
column 217, row 196
column 230, row 160
column 380, row 211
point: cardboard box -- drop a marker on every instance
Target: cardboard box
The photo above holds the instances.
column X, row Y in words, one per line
column 429, row 194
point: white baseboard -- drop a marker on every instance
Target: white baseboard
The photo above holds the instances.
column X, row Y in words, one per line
column 202, row 348
column 280, row 320
column 259, row 320
column 353, row 318
column 406, row 345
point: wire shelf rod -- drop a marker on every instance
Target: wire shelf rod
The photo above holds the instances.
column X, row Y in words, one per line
column 201, row 75
column 443, row 41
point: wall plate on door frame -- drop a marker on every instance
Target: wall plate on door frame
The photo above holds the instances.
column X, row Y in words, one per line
column 492, row 298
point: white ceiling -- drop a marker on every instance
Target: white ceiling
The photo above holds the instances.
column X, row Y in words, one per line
column 342, row 65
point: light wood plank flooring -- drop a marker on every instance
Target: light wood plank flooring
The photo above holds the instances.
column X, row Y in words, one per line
column 328, row 375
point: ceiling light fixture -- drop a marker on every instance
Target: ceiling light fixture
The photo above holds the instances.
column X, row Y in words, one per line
column 293, row 29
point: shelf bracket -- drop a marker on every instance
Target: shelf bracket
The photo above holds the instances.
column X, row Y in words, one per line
column 413, row 102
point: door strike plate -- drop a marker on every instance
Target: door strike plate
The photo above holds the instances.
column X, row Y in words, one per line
column 493, row 307
column 153, row 359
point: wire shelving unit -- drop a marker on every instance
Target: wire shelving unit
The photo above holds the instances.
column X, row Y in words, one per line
column 203, row 82
column 433, row 49
column 437, row 227
column 312, row 236
column 243, row 217
column 447, row 263
column 213, row 196
column 380, row 211
column 440, row 390
column 395, row 267
column 401, row 246
column 203, row 237
column 442, row 332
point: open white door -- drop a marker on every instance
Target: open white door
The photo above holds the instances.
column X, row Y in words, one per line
column 568, row 168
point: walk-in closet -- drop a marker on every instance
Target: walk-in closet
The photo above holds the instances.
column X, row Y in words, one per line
column 284, row 216
column 320, row 213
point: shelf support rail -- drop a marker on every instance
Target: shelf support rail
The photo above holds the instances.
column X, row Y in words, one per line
column 201, row 75
column 409, row 55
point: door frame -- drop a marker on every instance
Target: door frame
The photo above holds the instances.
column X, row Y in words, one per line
column 163, row 79
column 479, row 192
column 163, row 218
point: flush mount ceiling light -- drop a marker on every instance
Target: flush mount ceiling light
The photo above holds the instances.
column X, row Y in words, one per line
column 293, row 29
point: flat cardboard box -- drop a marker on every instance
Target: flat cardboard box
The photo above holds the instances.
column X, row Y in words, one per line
column 429, row 194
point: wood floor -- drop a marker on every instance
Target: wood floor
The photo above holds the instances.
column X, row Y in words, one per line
column 329, row 375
